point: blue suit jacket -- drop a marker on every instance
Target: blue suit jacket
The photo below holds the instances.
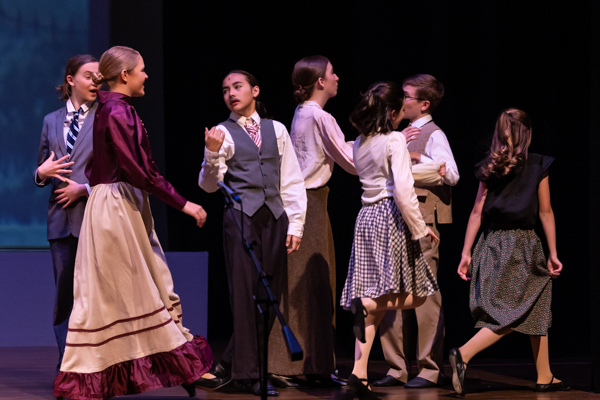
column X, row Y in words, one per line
column 65, row 222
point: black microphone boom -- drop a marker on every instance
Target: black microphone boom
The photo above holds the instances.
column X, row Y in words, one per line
column 227, row 191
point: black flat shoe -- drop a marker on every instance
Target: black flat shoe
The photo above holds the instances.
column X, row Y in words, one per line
column 283, row 382
column 388, row 381
column 222, row 378
column 256, row 389
column 361, row 390
column 190, row 388
column 459, row 369
column 552, row 387
column 360, row 313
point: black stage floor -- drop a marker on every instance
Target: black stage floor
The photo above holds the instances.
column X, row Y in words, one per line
column 28, row 372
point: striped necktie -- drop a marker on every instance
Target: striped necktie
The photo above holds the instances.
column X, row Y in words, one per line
column 252, row 129
column 73, row 130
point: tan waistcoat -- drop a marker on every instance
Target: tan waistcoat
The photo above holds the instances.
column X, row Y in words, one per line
column 433, row 200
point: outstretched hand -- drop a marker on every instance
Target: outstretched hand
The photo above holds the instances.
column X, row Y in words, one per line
column 213, row 139
column 53, row 168
column 195, row 211
column 463, row 268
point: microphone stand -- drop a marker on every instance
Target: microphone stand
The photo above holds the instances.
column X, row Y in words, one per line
column 295, row 351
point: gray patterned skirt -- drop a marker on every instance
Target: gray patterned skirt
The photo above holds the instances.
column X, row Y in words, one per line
column 385, row 259
column 510, row 282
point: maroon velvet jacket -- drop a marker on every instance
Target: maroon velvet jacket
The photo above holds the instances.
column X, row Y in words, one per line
column 122, row 150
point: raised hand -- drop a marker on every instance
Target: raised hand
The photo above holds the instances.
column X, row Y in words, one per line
column 213, row 139
column 411, row 133
column 53, row 168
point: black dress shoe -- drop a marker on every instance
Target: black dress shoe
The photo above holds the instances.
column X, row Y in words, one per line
column 283, row 382
column 419, row 383
column 361, row 390
column 552, row 387
column 360, row 313
column 256, row 389
column 241, row 385
column 388, row 381
column 459, row 369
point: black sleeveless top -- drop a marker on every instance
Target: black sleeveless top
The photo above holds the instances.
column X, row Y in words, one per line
column 512, row 200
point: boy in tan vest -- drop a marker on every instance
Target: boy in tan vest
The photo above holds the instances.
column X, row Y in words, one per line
column 434, row 171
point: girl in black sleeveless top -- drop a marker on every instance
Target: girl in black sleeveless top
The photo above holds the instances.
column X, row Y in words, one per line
column 511, row 286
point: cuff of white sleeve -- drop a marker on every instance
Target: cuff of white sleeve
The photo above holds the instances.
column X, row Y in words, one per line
column 295, row 229
column 211, row 156
column 421, row 234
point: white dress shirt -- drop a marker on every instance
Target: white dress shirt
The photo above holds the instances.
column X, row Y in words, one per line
column 85, row 107
column 319, row 142
column 384, row 168
column 437, row 152
column 291, row 186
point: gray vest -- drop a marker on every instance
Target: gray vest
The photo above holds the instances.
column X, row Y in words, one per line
column 253, row 173
column 432, row 199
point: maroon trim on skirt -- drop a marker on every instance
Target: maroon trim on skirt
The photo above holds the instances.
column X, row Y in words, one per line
column 118, row 336
column 184, row 364
column 118, row 321
column 175, row 304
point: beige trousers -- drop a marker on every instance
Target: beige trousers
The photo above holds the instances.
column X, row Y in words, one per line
column 396, row 327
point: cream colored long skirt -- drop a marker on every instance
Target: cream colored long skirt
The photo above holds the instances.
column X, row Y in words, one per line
column 124, row 305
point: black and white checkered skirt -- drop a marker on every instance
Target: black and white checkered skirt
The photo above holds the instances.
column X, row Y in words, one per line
column 384, row 257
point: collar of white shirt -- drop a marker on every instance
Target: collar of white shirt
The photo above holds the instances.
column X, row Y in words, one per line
column 422, row 121
column 241, row 120
column 85, row 106
column 310, row 103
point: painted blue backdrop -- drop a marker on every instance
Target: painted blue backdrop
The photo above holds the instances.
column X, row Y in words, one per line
column 36, row 40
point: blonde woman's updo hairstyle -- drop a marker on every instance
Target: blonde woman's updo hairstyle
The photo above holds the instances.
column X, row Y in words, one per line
column 306, row 73
column 113, row 62
column 373, row 113
column 510, row 143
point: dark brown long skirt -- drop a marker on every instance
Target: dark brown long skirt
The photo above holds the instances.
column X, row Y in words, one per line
column 308, row 304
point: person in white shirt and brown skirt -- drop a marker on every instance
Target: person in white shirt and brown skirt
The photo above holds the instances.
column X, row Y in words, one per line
column 387, row 269
column 255, row 157
column 309, row 303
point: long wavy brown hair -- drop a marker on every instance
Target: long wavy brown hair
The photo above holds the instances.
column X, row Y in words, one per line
column 509, row 144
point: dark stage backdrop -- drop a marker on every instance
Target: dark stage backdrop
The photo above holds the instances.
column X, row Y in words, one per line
column 489, row 55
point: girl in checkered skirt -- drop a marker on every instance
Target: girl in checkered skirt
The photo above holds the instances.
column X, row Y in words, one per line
column 387, row 270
